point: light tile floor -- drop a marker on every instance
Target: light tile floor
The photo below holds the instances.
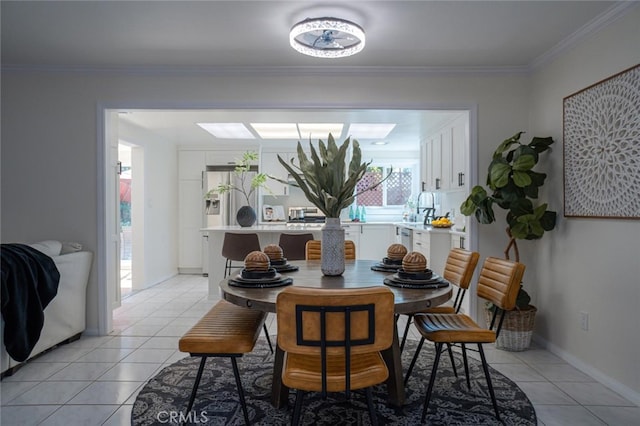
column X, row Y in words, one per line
column 95, row 380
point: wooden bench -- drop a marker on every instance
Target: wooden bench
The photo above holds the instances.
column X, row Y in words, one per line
column 226, row 330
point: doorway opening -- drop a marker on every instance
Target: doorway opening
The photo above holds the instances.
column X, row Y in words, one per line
column 126, row 242
column 162, row 200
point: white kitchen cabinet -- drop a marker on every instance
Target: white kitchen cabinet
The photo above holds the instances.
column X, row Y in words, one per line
column 190, row 238
column 223, row 158
column 458, row 155
column 374, row 241
column 459, row 240
column 433, row 161
column 435, row 246
column 270, row 165
column 191, row 167
column 424, row 169
column 444, row 157
column 352, row 232
column 422, row 242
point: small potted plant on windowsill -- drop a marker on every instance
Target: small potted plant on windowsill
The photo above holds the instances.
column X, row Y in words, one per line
column 246, row 215
column 329, row 182
column 514, row 185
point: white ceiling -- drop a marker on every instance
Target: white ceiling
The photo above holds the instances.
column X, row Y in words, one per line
column 209, row 35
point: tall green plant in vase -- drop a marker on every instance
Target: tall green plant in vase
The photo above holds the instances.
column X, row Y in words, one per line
column 329, row 182
column 513, row 186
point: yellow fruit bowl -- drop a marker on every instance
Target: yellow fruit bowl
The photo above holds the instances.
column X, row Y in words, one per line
column 443, row 225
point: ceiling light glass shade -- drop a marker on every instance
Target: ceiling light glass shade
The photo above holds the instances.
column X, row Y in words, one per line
column 327, row 37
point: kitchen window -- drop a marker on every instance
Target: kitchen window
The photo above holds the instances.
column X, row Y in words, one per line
column 394, row 191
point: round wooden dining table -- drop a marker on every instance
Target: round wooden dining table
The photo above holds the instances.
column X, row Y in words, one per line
column 358, row 273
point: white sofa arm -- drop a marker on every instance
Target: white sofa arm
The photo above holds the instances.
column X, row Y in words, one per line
column 65, row 316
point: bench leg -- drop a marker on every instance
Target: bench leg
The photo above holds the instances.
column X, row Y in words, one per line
column 195, row 385
column 236, row 373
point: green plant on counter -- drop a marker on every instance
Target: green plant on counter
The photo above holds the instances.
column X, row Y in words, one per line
column 514, row 185
column 241, row 170
column 326, row 179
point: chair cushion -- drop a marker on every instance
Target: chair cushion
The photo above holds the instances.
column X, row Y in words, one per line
column 454, row 328
column 304, row 372
column 225, row 329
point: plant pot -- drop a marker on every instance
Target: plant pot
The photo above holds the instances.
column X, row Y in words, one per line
column 246, row 216
column 517, row 328
column 332, row 254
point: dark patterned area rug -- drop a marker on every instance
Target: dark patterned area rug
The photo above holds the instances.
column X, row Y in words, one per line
column 164, row 398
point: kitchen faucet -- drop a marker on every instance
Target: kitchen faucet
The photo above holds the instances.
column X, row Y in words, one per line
column 429, row 211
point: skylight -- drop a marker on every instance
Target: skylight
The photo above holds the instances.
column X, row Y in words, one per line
column 227, row 130
column 316, row 131
column 276, row 130
column 370, row 130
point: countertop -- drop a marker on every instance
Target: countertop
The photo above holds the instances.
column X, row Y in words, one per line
column 300, row 227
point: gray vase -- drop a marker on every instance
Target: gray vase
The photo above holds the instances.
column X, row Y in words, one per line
column 246, row 216
column 332, row 262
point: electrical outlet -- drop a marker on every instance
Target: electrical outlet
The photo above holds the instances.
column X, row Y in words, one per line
column 584, row 320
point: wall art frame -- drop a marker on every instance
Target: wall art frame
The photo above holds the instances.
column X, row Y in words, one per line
column 601, row 161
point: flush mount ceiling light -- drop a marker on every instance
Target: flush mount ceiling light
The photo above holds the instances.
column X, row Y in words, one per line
column 327, row 37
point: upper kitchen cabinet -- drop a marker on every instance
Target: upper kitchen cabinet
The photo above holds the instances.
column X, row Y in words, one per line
column 432, row 163
column 444, row 157
column 223, row 158
column 454, row 156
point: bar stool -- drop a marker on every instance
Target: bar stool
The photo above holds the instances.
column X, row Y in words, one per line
column 293, row 245
column 235, row 247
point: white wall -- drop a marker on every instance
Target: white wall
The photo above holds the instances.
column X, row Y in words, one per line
column 158, row 256
column 590, row 265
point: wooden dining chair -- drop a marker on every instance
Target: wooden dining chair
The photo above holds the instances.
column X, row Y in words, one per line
column 313, row 250
column 498, row 283
column 293, row 245
column 235, row 247
column 332, row 340
column 458, row 270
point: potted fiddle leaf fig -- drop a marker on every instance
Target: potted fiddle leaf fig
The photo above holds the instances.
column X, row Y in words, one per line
column 329, row 182
column 513, row 185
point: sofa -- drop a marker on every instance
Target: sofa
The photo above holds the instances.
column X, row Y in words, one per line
column 64, row 316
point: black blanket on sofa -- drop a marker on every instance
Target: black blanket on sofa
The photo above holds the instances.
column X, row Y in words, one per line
column 30, row 281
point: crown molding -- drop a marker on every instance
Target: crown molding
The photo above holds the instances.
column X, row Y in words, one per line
column 288, row 71
column 615, row 12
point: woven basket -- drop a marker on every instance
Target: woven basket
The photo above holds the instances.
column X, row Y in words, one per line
column 517, row 329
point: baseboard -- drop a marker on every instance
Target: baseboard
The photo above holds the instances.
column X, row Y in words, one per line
column 90, row 332
column 597, row 375
column 190, row 271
